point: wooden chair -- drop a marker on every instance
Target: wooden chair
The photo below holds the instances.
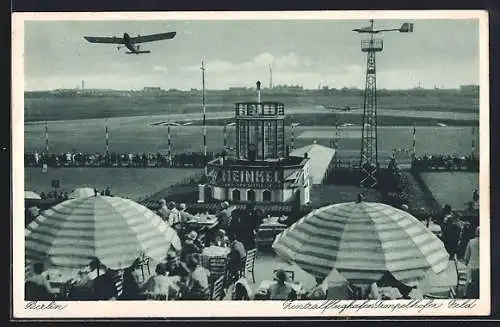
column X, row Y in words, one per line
column 144, row 262
column 218, row 289
column 217, row 267
column 248, row 263
column 289, row 274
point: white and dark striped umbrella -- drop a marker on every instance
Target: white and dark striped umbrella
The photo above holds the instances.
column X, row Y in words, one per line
column 115, row 230
column 363, row 240
column 30, row 195
column 82, row 192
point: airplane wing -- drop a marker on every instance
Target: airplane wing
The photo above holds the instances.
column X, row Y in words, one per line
column 99, row 39
column 153, row 37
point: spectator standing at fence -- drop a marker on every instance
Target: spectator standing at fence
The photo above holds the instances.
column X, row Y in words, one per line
column 471, row 260
column 163, row 212
column 174, row 216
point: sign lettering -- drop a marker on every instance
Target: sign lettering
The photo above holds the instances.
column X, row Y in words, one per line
column 250, row 178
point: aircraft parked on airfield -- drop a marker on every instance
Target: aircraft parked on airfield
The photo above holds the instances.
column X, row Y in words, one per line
column 339, row 108
column 130, row 42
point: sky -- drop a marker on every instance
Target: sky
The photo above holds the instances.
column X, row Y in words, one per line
column 311, row 53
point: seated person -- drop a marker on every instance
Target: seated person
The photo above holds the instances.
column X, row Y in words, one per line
column 158, row 286
column 131, row 288
column 242, row 290
column 100, row 282
column 280, row 290
column 37, row 286
column 220, row 238
column 174, row 266
column 374, row 293
column 190, row 245
column 199, row 288
column 235, row 257
column 317, row 293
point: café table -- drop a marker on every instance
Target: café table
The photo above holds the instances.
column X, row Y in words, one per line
column 268, row 230
column 58, row 277
column 213, row 252
column 203, row 221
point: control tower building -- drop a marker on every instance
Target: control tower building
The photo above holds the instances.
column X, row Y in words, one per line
column 261, row 170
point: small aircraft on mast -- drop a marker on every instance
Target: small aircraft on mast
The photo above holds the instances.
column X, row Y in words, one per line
column 129, row 42
column 405, row 28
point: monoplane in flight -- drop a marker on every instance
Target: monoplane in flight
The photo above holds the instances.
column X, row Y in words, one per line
column 131, row 43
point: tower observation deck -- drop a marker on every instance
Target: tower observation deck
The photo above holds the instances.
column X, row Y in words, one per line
column 260, row 130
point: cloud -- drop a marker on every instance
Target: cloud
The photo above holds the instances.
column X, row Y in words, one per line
column 264, row 59
column 291, row 60
column 259, row 62
column 162, row 69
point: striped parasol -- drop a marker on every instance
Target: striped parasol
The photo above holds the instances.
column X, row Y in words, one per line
column 363, row 240
column 30, row 195
column 82, row 192
column 115, row 230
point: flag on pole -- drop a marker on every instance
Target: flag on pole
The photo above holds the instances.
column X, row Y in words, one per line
column 225, row 137
column 169, row 144
column 473, row 141
column 107, row 136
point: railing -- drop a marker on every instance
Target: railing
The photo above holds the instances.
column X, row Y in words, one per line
column 445, row 163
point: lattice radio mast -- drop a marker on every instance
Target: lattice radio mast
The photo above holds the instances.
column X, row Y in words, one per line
column 369, row 141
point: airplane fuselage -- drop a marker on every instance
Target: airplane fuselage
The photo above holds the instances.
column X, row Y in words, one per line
column 127, row 43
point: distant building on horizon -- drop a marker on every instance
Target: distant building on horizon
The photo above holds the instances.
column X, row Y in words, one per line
column 471, row 88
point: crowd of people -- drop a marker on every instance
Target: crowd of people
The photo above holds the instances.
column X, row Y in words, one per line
column 181, row 275
column 184, row 274
column 448, row 162
column 114, row 159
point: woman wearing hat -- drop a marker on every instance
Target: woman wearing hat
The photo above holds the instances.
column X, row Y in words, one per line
column 190, row 245
column 174, row 266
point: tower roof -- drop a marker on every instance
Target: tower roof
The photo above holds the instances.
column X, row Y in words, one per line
column 319, row 158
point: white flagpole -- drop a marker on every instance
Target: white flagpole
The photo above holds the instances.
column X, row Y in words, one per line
column 204, row 115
